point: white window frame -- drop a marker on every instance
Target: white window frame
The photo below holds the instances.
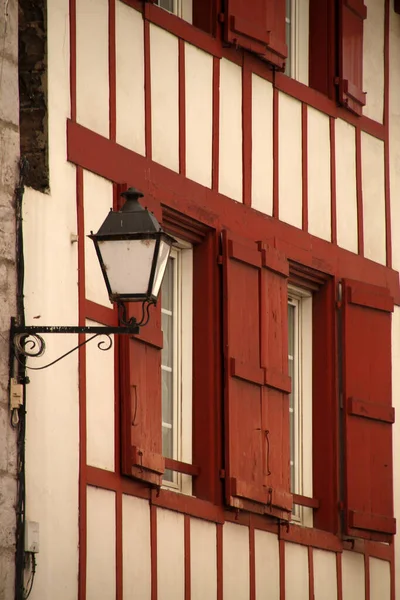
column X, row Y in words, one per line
column 182, row 358
column 181, row 8
column 299, row 40
column 302, row 401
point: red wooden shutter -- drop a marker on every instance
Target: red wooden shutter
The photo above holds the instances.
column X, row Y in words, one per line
column 275, row 397
column 252, row 433
column 368, row 412
column 141, row 402
column 350, row 81
column 259, row 28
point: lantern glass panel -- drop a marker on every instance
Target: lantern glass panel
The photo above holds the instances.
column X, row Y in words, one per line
column 162, row 262
column 128, row 265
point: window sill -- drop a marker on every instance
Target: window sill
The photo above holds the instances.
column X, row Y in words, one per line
column 189, row 505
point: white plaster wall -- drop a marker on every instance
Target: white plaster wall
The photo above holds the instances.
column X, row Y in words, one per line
column 230, row 130
column 170, row 555
column 396, row 434
column 129, row 78
column 319, row 175
column 373, row 184
column 290, row 161
column 325, row 575
column 296, row 572
column 379, row 577
column 262, row 145
column 394, row 105
column 373, row 66
column 52, row 437
column 164, row 98
column 136, row 555
column 353, row 576
column 198, row 110
column 346, row 190
column 92, row 73
column 236, row 575
column 100, row 544
column 97, row 201
column 100, row 405
column 203, row 560
column 267, row 565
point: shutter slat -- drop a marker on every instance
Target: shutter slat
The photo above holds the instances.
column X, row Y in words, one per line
column 369, row 414
column 251, row 373
column 372, row 522
column 370, row 410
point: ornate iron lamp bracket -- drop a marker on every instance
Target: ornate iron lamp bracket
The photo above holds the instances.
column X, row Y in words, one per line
column 27, row 341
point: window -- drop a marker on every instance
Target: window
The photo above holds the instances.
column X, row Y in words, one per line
column 176, row 365
column 300, row 399
column 297, row 33
column 180, row 8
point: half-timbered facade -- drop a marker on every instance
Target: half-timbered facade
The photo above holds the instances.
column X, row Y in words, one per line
column 243, row 445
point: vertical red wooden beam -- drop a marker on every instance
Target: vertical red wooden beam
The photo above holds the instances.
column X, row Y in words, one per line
column 360, row 217
column 118, row 546
column 82, row 387
column 220, row 591
column 332, row 138
column 72, row 50
column 366, row 574
column 182, row 110
column 153, row 551
column 246, row 130
column 147, row 90
column 339, row 576
column 310, row 573
column 281, row 570
column 187, row 557
column 304, row 150
column 112, row 70
column 275, row 136
column 386, row 120
column 252, row 557
column 215, row 125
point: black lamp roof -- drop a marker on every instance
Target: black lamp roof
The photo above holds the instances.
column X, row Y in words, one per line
column 131, row 219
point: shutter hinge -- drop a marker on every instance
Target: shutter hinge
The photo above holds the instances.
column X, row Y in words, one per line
column 337, row 80
column 221, row 17
column 341, row 400
column 222, row 473
column 220, row 260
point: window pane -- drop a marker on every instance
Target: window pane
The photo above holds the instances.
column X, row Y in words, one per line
column 288, row 69
column 167, row 361
column 168, row 342
column 167, row 288
column 167, row 398
column 166, row 4
column 292, row 416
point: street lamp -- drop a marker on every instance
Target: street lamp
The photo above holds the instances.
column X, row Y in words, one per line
column 133, row 252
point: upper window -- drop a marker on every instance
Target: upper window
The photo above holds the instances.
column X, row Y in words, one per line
column 297, row 34
column 176, row 365
column 300, row 399
column 180, row 8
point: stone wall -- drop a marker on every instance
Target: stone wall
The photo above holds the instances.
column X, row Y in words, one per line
column 9, row 157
